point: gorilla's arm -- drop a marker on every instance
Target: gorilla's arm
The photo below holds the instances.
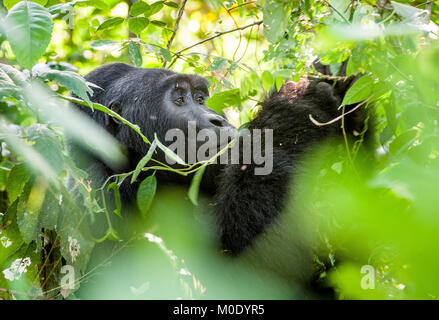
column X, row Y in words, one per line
column 248, row 204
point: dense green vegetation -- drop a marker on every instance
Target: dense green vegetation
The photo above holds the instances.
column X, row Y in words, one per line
column 383, row 215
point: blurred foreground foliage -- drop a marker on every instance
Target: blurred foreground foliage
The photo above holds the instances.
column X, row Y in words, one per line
column 381, row 214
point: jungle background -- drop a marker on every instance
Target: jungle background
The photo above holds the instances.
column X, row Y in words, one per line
column 388, row 221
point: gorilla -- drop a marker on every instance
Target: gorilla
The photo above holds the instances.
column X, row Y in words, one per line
column 253, row 211
column 156, row 100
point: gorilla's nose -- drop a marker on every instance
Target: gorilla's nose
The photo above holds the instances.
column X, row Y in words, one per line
column 218, row 121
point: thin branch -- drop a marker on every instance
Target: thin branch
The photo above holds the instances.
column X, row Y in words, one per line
column 327, row 77
column 218, row 34
column 336, row 11
column 177, row 23
column 429, row 8
column 339, row 117
column 240, row 5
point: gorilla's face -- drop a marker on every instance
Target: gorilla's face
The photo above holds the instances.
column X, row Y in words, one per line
column 184, row 106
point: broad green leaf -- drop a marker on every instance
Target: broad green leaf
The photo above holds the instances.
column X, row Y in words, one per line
column 171, row 4
column 16, row 76
column 410, row 13
column 113, row 186
column 402, row 142
column 155, row 7
column 100, row 4
column 146, row 193
column 135, row 54
column 17, row 179
column 276, row 16
column 50, row 211
column 225, row 99
column 110, row 23
column 279, row 82
column 33, row 158
column 144, row 161
column 166, row 54
column 267, row 80
column 10, row 3
column 218, row 64
column 169, row 153
column 28, row 209
column 137, row 24
column 29, row 29
column 195, row 185
column 72, row 81
column 360, row 90
column 139, row 8
column 47, row 144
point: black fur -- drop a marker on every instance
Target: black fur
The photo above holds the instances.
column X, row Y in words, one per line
column 247, row 205
column 256, row 217
column 138, row 95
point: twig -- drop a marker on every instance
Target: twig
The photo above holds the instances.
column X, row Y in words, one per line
column 339, row 117
column 327, row 77
column 218, row 34
column 174, row 32
column 338, row 12
column 429, row 8
column 240, row 5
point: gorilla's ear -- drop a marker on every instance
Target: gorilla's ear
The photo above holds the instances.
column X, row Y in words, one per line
column 115, row 107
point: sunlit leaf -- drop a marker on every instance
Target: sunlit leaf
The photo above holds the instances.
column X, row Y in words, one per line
column 29, row 29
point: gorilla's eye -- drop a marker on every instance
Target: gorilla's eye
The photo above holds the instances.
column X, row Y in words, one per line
column 179, row 101
column 200, row 100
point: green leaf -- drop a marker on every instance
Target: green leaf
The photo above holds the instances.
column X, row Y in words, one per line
column 17, row 179
column 267, row 80
column 103, row 44
column 10, row 3
column 29, row 29
column 100, row 4
column 403, row 142
column 218, row 64
column 47, row 144
column 171, row 4
column 113, row 186
column 144, row 161
column 137, row 24
column 146, row 193
column 195, row 185
column 360, row 90
column 112, row 235
column 72, row 81
column 16, row 76
column 135, row 54
column 110, row 23
column 279, row 82
column 158, row 23
column 28, row 209
column 166, row 54
column 50, row 211
column 139, row 8
column 275, row 19
column 169, row 153
column 224, row 99
column 155, row 7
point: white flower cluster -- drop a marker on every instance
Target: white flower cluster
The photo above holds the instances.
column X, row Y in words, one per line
column 5, row 241
column 74, row 248
column 17, row 268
